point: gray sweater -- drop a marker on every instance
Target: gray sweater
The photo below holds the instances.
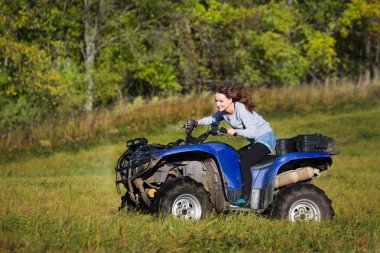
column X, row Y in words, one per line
column 247, row 124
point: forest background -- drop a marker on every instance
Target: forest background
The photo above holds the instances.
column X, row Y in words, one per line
column 60, row 58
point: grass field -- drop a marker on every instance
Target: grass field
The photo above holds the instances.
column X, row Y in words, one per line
column 67, row 201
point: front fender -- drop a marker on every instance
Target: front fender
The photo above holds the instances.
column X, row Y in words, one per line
column 225, row 156
column 262, row 177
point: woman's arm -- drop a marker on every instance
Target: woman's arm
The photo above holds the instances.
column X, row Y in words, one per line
column 213, row 119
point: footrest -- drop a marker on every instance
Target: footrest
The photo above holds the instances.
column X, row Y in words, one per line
column 242, row 209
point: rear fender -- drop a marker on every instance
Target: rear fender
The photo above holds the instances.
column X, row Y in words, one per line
column 264, row 176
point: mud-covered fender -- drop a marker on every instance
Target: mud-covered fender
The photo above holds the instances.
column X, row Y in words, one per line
column 262, row 177
column 226, row 157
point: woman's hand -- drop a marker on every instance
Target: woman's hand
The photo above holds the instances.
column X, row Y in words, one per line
column 231, row 132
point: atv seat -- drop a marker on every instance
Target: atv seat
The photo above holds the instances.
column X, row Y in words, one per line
column 268, row 160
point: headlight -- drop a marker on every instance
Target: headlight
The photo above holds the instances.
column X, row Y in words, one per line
column 135, row 143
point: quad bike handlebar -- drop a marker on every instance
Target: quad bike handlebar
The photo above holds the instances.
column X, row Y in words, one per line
column 214, row 129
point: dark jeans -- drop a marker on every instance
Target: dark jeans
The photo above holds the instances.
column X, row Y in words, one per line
column 249, row 157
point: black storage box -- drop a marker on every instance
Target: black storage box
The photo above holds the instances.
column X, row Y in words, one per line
column 314, row 143
column 284, row 146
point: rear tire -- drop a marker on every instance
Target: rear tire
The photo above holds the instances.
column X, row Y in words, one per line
column 301, row 202
column 183, row 198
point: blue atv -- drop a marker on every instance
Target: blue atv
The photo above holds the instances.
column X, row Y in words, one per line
column 191, row 178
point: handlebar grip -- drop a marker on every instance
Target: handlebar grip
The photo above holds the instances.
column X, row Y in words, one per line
column 223, row 130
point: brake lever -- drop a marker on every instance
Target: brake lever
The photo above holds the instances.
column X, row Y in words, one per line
column 223, row 131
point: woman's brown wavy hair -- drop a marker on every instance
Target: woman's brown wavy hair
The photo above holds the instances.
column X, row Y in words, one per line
column 238, row 93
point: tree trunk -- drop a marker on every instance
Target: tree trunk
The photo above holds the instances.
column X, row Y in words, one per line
column 289, row 3
column 375, row 65
column 367, row 75
column 90, row 36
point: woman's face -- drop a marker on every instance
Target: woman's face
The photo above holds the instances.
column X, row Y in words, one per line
column 222, row 102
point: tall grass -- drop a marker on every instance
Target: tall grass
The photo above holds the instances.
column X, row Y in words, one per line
column 104, row 123
column 147, row 115
column 67, row 201
column 307, row 97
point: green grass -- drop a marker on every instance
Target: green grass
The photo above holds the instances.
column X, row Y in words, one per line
column 67, row 201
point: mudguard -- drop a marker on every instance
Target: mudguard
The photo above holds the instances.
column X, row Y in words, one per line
column 262, row 177
column 226, row 157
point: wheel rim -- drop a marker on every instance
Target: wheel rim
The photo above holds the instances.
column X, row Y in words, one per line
column 187, row 206
column 304, row 210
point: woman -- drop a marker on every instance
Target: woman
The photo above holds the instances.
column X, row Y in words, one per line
column 236, row 107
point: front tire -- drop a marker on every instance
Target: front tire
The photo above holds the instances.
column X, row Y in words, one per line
column 183, row 198
column 302, row 202
column 127, row 204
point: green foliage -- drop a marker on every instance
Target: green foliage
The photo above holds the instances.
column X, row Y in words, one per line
column 157, row 74
column 34, row 79
column 149, row 48
column 20, row 111
column 321, row 53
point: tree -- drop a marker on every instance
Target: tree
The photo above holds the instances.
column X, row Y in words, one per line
column 360, row 27
column 33, row 46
